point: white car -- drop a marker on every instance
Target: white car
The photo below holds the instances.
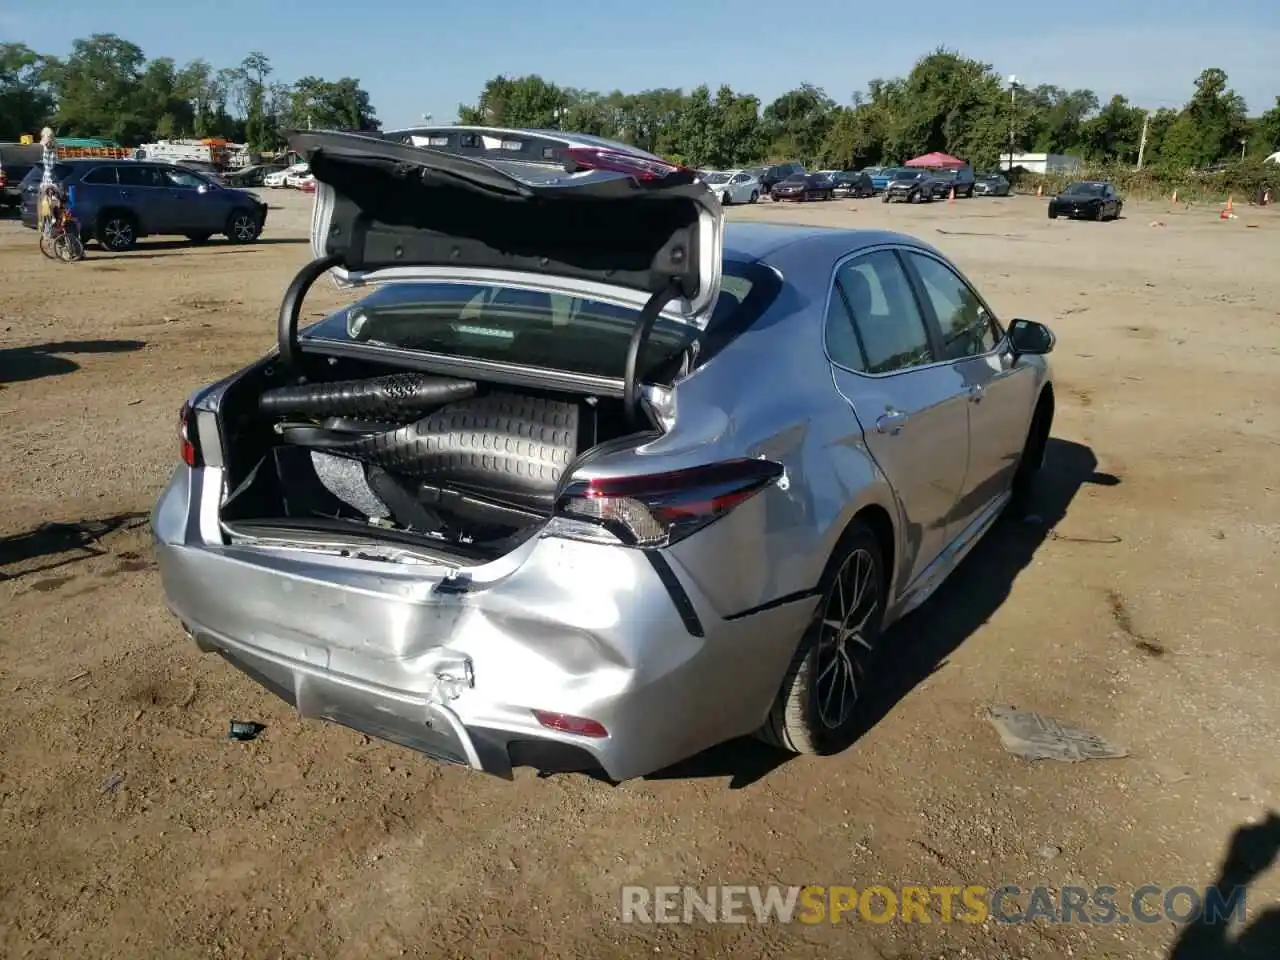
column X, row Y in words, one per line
column 299, row 181
column 280, row 177
column 734, row 186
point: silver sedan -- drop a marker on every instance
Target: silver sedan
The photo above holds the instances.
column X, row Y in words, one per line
column 598, row 499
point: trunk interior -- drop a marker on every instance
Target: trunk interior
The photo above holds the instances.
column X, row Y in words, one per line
column 459, row 465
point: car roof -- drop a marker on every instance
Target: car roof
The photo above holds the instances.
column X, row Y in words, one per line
column 746, row 240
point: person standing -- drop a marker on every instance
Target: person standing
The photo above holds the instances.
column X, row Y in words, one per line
column 48, row 186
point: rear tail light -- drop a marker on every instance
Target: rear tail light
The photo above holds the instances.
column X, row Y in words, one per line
column 644, row 169
column 659, row 509
column 189, row 443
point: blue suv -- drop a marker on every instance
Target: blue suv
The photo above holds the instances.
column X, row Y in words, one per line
column 118, row 201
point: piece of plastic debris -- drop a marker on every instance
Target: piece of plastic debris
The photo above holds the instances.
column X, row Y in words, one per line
column 1157, row 223
column 244, row 730
column 1049, row 851
column 1033, row 736
column 112, row 783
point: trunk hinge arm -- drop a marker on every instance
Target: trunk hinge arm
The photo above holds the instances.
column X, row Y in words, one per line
column 631, row 377
column 291, row 307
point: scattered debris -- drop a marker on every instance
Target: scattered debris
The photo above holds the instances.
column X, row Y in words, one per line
column 1050, row 851
column 245, row 730
column 112, row 783
column 1157, row 223
column 79, row 676
column 1034, row 736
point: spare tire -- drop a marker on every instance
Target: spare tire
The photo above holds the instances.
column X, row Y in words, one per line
column 505, row 446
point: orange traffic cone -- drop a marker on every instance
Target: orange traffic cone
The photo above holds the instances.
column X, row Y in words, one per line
column 1227, row 211
column 952, row 197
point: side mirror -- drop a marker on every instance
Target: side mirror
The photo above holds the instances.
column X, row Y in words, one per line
column 1029, row 337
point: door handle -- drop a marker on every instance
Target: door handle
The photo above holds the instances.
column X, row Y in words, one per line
column 891, row 422
column 976, row 393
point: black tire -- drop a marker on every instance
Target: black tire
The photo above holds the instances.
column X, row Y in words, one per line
column 915, row 196
column 242, row 226
column 725, row 199
column 886, row 198
column 199, row 237
column 117, row 231
column 502, row 444
column 754, row 197
column 807, row 716
column 1032, row 459
column 1101, row 214
column 1053, row 214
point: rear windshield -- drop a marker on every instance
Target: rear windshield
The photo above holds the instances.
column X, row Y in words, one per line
column 530, row 328
column 60, row 172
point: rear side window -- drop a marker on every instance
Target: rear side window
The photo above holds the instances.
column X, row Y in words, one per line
column 100, row 175
column 139, row 175
column 533, row 328
column 889, row 333
column 60, row 172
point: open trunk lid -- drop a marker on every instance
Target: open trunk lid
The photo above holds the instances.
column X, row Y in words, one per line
column 611, row 224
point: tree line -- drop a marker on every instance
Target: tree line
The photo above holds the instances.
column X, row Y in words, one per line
column 947, row 102
column 106, row 87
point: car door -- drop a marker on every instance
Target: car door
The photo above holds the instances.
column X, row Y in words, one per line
column 912, row 413
column 192, row 208
column 740, row 188
column 999, row 391
column 143, row 192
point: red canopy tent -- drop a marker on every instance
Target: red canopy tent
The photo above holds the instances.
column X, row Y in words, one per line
column 935, row 160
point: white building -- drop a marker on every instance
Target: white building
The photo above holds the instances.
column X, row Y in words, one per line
column 1042, row 162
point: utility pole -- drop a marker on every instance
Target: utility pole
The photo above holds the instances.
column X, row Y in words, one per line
column 1013, row 115
column 1142, row 144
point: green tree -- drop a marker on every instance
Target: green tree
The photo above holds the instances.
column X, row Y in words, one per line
column 1264, row 136
column 98, row 90
column 332, row 104
column 1114, row 134
column 797, row 122
column 26, row 99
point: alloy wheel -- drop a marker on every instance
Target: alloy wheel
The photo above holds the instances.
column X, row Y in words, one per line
column 118, row 233
column 843, row 648
column 243, row 227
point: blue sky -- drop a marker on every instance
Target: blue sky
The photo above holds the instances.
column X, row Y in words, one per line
column 422, row 57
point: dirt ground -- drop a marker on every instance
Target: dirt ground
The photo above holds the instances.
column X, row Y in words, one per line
column 1143, row 606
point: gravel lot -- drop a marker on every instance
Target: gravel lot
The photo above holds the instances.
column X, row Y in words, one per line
column 1144, row 606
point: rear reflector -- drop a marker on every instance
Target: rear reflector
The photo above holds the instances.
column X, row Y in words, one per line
column 658, row 509
column 188, row 445
column 579, row 726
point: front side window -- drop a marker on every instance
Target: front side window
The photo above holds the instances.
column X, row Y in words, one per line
column 967, row 329
column 184, row 179
column 887, row 329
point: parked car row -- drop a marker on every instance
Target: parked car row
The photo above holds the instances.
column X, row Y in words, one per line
column 297, row 177
column 791, row 181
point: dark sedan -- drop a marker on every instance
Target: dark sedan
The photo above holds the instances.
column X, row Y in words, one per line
column 1087, row 200
column 913, row 186
column 853, row 183
column 805, row 186
column 991, row 185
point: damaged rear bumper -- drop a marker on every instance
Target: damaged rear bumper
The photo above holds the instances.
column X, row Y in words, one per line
column 456, row 666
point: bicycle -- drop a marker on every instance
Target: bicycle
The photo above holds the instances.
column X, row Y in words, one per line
column 61, row 239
